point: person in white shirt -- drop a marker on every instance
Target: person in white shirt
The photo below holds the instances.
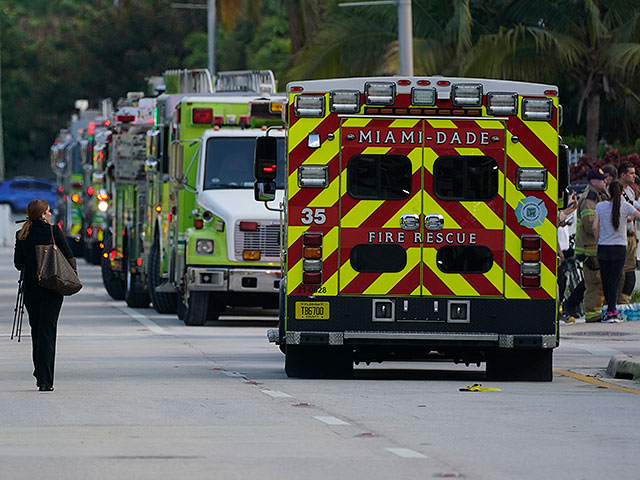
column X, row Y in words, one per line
column 627, row 173
column 610, row 231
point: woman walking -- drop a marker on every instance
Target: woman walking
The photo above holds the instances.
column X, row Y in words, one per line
column 610, row 230
column 43, row 305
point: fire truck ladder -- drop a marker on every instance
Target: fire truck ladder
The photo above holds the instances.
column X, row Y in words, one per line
column 255, row 81
column 191, row 80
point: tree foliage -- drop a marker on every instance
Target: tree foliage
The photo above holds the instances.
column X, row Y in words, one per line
column 56, row 52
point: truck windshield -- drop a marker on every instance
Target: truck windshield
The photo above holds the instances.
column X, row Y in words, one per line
column 229, row 163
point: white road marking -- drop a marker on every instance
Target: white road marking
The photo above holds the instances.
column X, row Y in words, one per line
column 332, row 421
column 405, row 453
column 234, row 374
column 150, row 324
column 275, row 394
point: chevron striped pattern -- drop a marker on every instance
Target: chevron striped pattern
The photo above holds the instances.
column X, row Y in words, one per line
column 422, row 140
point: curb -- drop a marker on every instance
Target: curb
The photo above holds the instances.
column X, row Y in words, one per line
column 625, row 367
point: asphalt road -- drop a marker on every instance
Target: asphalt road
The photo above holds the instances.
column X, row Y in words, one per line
column 141, row 396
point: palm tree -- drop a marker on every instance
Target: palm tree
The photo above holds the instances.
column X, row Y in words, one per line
column 363, row 40
column 595, row 43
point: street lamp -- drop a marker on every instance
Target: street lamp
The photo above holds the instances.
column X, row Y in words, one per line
column 405, row 30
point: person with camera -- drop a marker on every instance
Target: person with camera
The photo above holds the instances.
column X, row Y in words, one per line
column 43, row 305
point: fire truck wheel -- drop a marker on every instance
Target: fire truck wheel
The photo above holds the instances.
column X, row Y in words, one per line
column 136, row 294
column 520, row 365
column 113, row 285
column 196, row 309
column 162, row 302
column 311, row 361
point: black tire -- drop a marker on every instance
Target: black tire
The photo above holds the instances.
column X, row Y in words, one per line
column 302, row 361
column 136, row 294
column 520, row 365
column 77, row 246
column 113, row 285
column 162, row 302
column 92, row 253
column 196, row 309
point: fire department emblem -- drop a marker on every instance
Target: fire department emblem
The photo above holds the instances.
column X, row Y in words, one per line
column 531, row 212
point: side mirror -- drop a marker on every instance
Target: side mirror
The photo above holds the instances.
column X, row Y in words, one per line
column 563, row 169
column 264, row 191
column 265, row 159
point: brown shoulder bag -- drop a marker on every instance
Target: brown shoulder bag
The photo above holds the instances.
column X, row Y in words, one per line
column 55, row 271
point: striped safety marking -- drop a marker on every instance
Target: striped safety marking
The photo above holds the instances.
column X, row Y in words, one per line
column 537, row 147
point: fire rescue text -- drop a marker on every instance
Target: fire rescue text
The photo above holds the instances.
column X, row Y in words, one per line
column 451, row 238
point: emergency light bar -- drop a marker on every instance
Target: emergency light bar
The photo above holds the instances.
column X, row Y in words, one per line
column 537, row 108
column 502, row 103
column 311, row 106
column 467, row 95
column 379, row 93
column 344, row 101
column 313, row 176
column 531, row 178
column 423, row 96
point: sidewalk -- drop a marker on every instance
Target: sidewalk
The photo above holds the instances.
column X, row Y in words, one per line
column 623, row 337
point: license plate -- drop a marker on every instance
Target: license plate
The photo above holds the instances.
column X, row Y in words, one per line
column 312, row 310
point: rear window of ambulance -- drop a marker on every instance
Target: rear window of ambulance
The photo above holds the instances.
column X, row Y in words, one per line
column 379, row 177
column 465, row 178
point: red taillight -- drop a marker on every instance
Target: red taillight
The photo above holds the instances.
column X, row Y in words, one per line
column 531, row 242
column 139, row 262
column 552, row 93
column 125, row 118
column 312, row 278
column 423, row 83
column 218, row 120
column 248, row 226
column 444, row 83
column 89, row 231
column 404, row 82
column 202, row 115
column 312, row 239
column 530, row 281
column 243, row 120
column 60, row 189
column 90, row 191
column 296, row 89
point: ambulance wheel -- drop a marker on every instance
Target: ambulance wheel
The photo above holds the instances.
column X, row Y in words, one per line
column 196, row 309
column 162, row 302
column 136, row 295
column 318, row 362
column 112, row 284
column 520, row 365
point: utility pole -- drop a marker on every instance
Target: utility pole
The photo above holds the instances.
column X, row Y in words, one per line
column 405, row 31
column 211, row 29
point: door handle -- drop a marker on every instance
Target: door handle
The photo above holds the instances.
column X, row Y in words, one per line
column 409, row 221
column 434, row 221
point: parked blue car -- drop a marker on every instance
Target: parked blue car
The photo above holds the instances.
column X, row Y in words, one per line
column 19, row 191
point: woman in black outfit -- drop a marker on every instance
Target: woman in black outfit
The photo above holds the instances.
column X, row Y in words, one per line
column 43, row 305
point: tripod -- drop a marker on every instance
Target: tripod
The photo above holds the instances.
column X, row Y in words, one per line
column 18, row 311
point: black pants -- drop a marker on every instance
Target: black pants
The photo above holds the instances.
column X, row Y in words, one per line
column 611, row 259
column 43, row 319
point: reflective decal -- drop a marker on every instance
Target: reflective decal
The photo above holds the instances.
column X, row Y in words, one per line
column 531, row 212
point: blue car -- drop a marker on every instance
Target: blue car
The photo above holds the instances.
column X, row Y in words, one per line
column 19, row 191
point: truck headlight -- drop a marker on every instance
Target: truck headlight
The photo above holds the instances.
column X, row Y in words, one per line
column 204, row 246
column 103, row 206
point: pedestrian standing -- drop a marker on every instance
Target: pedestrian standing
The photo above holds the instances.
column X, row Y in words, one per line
column 586, row 244
column 43, row 305
column 610, row 231
column 628, row 282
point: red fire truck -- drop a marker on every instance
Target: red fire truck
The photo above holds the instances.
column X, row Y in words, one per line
column 419, row 223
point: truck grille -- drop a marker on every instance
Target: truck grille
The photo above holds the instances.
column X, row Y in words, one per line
column 266, row 239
